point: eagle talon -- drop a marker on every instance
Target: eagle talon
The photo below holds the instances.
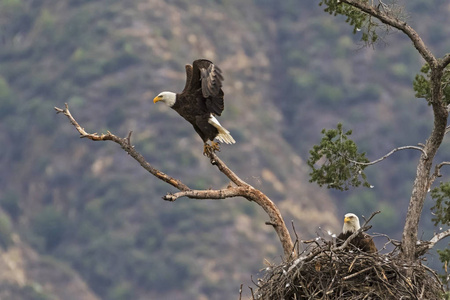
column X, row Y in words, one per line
column 206, row 149
column 215, row 146
column 209, row 149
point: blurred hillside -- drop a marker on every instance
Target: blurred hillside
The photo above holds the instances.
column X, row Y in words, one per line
column 87, row 213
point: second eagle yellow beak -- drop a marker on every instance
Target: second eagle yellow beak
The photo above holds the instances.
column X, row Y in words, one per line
column 157, row 98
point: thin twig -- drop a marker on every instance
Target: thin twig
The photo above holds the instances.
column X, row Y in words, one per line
column 253, row 295
column 296, row 237
column 435, row 275
column 129, row 137
column 400, row 25
column 357, row 273
column 439, row 236
column 385, row 156
column 437, row 172
column 215, row 160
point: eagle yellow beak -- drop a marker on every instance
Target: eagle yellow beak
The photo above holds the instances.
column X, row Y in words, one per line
column 346, row 219
column 156, row 99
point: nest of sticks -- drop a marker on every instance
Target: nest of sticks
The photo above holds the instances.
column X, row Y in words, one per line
column 323, row 271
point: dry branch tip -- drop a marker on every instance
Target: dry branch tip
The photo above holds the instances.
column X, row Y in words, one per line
column 58, row 110
column 128, row 138
column 170, row 197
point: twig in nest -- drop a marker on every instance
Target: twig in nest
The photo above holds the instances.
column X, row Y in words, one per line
column 357, row 273
column 297, row 243
column 251, row 290
column 348, row 276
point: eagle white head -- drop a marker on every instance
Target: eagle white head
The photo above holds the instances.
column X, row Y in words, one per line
column 167, row 97
column 351, row 223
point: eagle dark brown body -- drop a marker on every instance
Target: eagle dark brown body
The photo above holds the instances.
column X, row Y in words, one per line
column 362, row 241
column 200, row 101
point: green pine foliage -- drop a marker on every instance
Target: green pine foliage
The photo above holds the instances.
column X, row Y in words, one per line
column 355, row 17
column 336, row 163
column 422, row 87
column 441, row 208
column 441, row 211
column 444, row 256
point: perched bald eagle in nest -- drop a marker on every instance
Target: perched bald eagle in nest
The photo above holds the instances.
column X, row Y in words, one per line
column 200, row 101
column 362, row 241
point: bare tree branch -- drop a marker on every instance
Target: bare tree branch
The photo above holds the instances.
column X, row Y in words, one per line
column 423, row 246
column 125, row 144
column 437, row 172
column 422, row 181
column 396, row 23
column 439, row 236
column 357, row 273
column 385, row 156
column 215, row 160
column 208, row 194
column 445, row 60
column 243, row 189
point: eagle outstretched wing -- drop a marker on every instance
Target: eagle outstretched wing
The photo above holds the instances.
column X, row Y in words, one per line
column 211, row 79
column 205, row 79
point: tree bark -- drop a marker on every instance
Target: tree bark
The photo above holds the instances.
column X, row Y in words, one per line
column 424, row 176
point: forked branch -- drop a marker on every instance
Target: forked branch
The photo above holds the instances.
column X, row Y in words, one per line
column 243, row 189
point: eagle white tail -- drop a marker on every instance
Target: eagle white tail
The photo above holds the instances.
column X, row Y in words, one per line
column 224, row 135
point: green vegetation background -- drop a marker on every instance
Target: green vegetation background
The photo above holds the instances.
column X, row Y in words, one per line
column 290, row 71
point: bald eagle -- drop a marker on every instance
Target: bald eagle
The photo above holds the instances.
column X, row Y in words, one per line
column 362, row 241
column 200, row 101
